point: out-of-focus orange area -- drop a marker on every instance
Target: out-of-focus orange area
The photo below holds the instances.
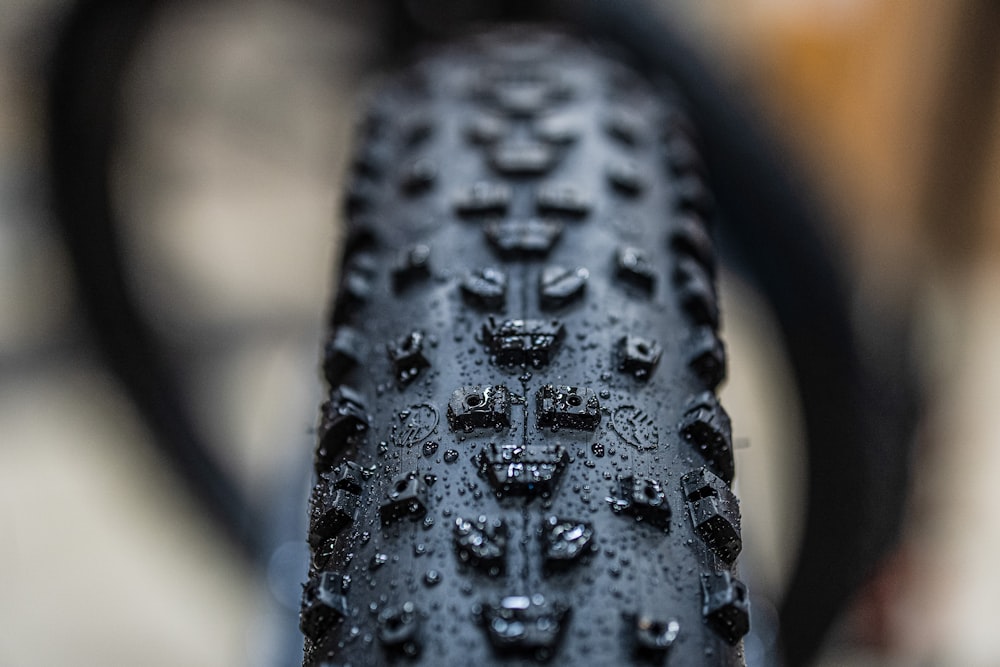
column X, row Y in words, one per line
column 892, row 105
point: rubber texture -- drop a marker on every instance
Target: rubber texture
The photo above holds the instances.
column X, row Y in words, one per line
column 522, row 457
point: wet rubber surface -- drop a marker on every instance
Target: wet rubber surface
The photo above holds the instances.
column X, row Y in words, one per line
column 522, row 458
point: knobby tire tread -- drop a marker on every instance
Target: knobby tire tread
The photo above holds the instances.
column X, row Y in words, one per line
column 522, row 457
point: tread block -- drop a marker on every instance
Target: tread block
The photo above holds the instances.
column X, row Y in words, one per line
column 415, row 129
column 563, row 199
column 482, row 198
column 696, row 293
column 652, row 637
column 693, row 196
column 568, row 407
column 360, row 236
column 481, row 543
column 632, row 266
column 725, row 605
column 638, row 356
column 689, row 238
column 343, row 418
column 523, row 342
column 682, row 156
column 522, row 90
column 708, row 361
column 334, row 503
column 519, row 470
column 323, row 604
column 625, row 177
column 624, row 126
column 485, row 288
column 358, row 197
column 356, row 286
column 399, row 628
column 714, row 512
column 369, row 160
column 559, row 286
column 407, row 357
column 707, row 428
column 412, row 265
column 331, row 513
column 407, row 499
column 486, row 129
column 522, row 158
column 418, row 177
column 644, row 499
column 522, row 623
column 565, row 541
column 347, row 476
column 528, row 237
column 342, row 353
column 522, row 100
column 558, row 130
column 475, row 406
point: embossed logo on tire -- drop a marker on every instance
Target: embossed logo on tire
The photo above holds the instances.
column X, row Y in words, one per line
column 635, row 427
column 419, row 422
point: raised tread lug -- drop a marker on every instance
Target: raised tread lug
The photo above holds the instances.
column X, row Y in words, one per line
column 473, row 407
column 482, row 198
column 523, row 238
column 345, row 350
column 343, row 418
column 714, row 512
column 568, row 407
column 522, row 470
column 407, row 357
column 412, row 265
column 407, row 499
column 633, row 266
column 485, row 288
column 638, row 356
column 323, row 605
column 523, row 342
column 524, row 624
column 565, row 541
column 482, row 543
column 726, row 605
column 563, row 199
column 706, row 427
column 643, row 499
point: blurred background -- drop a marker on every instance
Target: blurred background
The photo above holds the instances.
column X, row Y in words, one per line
column 235, row 140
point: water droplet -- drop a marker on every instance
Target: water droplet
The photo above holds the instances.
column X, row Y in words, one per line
column 378, row 560
column 450, row 456
column 429, row 448
column 432, row 577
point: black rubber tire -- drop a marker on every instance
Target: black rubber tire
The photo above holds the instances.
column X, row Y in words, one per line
column 522, row 458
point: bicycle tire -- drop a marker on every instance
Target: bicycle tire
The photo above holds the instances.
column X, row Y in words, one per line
column 522, row 457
